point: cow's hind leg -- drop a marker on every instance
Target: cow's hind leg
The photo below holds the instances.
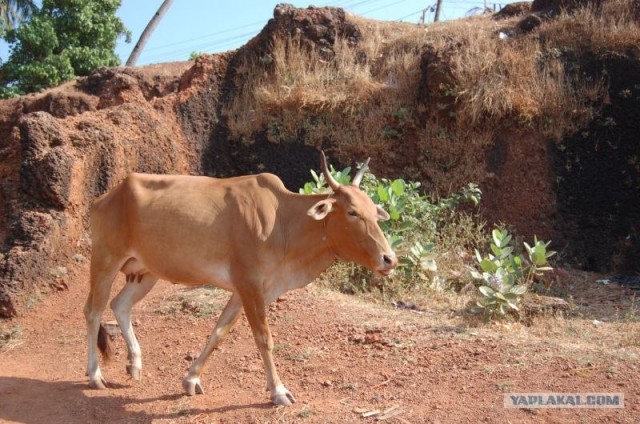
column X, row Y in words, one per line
column 228, row 318
column 101, row 280
column 254, row 308
column 132, row 293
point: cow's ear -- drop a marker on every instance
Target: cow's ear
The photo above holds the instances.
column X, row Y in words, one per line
column 382, row 214
column 321, row 209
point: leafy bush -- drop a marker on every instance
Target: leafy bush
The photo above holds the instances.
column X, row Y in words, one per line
column 60, row 40
column 412, row 227
column 319, row 185
column 196, row 54
column 505, row 276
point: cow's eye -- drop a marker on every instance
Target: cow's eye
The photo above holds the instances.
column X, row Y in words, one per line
column 353, row 213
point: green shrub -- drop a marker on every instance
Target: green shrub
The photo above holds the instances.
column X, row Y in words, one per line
column 196, row 54
column 413, row 224
column 506, row 277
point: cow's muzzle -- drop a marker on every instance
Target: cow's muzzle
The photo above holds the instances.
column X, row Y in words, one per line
column 389, row 262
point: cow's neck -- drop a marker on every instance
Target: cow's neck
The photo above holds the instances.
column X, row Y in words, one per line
column 306, row 235
column 307, row 250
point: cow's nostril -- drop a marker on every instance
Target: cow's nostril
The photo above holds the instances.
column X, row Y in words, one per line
column 388, row 259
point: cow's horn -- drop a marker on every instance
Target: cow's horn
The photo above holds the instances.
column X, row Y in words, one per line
column 327, row 175
column 361, row 171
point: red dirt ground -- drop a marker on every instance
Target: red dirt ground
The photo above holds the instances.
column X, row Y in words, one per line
column 339, row 355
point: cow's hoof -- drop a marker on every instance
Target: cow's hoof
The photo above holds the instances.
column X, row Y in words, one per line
column 99, row 384
column 134, row 372
column 192, row 386
column 283, row 397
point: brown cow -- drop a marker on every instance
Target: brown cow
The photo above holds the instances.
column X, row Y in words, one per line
column 248, row 235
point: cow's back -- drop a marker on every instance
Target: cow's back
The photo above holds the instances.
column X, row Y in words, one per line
column 180, row 227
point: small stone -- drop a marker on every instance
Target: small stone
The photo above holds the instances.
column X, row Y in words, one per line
column 79, row 258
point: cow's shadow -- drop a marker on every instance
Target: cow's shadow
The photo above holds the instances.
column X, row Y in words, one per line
column 33, row 401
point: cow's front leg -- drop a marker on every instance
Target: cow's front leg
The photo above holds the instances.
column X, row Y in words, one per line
column 228, row 318
column 254, row 308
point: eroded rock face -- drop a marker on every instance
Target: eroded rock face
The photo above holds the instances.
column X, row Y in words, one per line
column 437, row 81
column 45, row 171
column 61, row 149
column 598, row 177
column 554, row 6
column 60, row 153
column 513, row 9
column 317, row 26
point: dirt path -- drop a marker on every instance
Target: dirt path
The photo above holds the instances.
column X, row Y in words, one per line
column 340, row 357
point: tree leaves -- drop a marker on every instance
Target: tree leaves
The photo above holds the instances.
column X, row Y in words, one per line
column 61, row 40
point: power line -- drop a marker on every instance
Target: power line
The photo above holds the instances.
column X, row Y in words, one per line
column 253, row 24
column 180, row 53
column 382, row 7
column 409, row 15
column 358, row 3
column 190, row 47
column 162, row 52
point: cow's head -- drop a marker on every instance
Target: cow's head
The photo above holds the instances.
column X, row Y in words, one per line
column 351, row 224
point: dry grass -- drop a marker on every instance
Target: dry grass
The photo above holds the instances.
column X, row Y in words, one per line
column 303, row 80
column 613, row 26
column 370, row 96
column 516, row 80
column 345, row 95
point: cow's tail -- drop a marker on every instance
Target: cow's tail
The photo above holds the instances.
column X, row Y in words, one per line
column 104, row 344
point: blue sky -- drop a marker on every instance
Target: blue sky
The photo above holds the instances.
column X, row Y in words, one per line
column 212, row 26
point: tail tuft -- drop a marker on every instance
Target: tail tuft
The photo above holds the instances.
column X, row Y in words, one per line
column 104, row 344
